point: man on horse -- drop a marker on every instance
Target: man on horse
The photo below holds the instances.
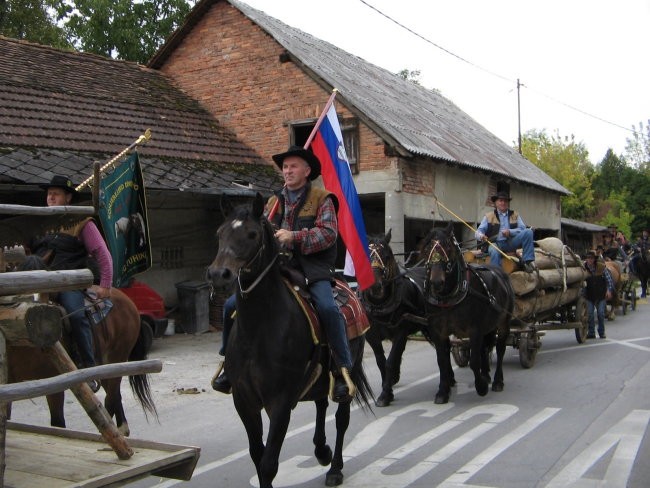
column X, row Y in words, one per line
column 308, row 228
column 76, row 247
column 507, row 229
column 641, row 246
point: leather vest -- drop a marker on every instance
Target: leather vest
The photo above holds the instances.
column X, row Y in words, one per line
column 494, row 224
column 318, row 266
column 596, row 283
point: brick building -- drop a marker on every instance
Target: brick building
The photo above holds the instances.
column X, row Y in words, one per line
column 267, row 82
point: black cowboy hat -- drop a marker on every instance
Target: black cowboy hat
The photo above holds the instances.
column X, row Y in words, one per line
column 500, row 194
column 59, row 181
column 309, row 157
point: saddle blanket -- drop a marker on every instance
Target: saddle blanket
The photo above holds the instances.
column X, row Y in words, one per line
column 354, row 315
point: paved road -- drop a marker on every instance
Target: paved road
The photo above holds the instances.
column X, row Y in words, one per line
column 579, row 417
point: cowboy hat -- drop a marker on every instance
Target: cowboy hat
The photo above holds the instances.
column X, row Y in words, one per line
column 500, row 194
column 59, row 181
column 308, row 156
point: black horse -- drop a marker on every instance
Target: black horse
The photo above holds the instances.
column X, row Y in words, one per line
column 393, row 304
column 272, row 359
column 472, row 301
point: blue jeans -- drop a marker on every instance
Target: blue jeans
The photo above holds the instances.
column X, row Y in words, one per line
column 599, row 306
column 332, row 321
column 523, row 240
column 73, row 302
column 228, row 321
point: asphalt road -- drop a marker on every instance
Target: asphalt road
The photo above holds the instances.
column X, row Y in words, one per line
column 579, row 417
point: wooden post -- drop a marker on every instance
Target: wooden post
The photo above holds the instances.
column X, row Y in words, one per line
column 3, row 409
column 90, row 403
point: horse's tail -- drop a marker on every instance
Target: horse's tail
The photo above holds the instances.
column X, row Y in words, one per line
column 140, row 382
column 364, row 391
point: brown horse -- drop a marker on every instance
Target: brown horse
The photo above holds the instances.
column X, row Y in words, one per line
column 117, row 338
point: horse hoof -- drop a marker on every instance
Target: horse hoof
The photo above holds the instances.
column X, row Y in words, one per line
column 481, row 388
column 497, row 386
column 441, row 399
column 323, row 455
column 333, row 479
column 384, row 399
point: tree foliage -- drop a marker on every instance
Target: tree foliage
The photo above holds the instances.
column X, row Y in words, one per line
column 31, row 20
column 566, row 161
column 131, row 30
column 637, row 148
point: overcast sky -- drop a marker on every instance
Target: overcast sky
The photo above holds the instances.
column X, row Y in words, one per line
column 592, row 55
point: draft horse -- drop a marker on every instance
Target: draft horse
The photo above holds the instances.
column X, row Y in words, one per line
column 117, row 338
column 642, row 270
column 271, row 358
column 394, row 303
column 467, row 300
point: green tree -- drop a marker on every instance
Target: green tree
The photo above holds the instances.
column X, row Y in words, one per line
column 637, row 148
column 567, row 162
column 617, row 212
column 123, row 29
column 30, row 20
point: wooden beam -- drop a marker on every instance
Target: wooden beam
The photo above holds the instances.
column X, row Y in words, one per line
column 57, row 210
column 31, row 389
column 26, row 282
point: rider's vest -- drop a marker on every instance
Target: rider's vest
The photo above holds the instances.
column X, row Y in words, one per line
column 596, row 283
column 64, row 250
column 317, row 266
column 493, row 222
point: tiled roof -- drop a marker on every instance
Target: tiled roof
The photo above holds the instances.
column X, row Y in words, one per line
column 410, row 117
column 60, row 111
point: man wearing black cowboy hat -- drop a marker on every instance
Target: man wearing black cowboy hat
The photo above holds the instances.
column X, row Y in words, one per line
column 506, row 229
column 71, row 248
column 307, row 226
column 599, row 287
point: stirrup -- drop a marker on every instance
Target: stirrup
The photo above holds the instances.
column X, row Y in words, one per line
column 219, row 370
column 352, row 390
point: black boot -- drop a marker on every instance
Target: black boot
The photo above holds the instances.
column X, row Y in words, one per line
column 341, row 392
column 222, row 384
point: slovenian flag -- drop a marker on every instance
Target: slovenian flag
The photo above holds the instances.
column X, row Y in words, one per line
column 327, row 145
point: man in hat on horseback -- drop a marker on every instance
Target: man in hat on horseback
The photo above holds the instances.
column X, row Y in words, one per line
column 71, row 248
column 308, row 228
column 506, row 229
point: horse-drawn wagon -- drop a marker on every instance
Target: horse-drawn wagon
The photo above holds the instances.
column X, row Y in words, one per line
column 624, row 289
column 38, row 456
column 549, row 298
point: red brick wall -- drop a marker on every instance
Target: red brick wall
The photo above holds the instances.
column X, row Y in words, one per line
column 232, row 67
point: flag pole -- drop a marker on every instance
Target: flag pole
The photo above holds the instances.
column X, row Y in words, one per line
column 330, row 101
column 143, row 138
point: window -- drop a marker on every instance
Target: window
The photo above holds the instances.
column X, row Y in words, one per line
column 301, row 130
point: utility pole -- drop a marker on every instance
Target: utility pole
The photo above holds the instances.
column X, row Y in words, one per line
column 519, row 115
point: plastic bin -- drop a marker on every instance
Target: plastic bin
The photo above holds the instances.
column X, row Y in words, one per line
column 194, row 306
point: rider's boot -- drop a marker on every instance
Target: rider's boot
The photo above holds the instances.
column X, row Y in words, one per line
column 343, row 390
column 221, row 383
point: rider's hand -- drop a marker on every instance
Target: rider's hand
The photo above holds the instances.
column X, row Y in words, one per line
column 505, row 232
column 101, row 291
column 284, row 236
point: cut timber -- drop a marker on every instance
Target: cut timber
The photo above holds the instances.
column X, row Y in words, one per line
column 524, row 283
column 21, row 282
column 526, row 307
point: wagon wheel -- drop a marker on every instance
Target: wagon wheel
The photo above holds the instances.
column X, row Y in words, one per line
column 624, row 301
column 633, row 299
column 460, row 352
column 528, row 346
column 581, row 316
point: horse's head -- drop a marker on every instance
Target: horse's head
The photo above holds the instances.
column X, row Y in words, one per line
column 443, row 260
column 241, row 242
column 382, row 260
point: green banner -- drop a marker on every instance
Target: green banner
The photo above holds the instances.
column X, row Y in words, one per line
column 123, row 214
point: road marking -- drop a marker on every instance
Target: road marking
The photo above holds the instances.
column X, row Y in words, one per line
column 606, row 342
column 625, row 436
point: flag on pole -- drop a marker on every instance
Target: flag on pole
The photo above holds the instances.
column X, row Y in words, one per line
column 123, row 214
column 327, row 145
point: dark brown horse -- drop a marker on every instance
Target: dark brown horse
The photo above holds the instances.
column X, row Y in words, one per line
column 271, row 358
column 393, row 304
column 469, row 301
column 117, row 338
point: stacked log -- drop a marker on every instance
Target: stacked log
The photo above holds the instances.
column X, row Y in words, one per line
column 558, row 280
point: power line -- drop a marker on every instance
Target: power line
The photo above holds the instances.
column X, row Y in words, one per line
column 492, row 73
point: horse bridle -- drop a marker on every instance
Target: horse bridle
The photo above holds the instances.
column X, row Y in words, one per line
column 248, row 267
column 438, row 255
column 376, row 262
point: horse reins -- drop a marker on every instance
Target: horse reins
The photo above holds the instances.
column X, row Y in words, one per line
column 247, row 268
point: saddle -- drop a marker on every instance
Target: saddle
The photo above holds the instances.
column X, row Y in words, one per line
column 354, row 315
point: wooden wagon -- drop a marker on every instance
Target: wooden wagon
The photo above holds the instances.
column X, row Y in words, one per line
column 42, row 456
column 547, row 299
